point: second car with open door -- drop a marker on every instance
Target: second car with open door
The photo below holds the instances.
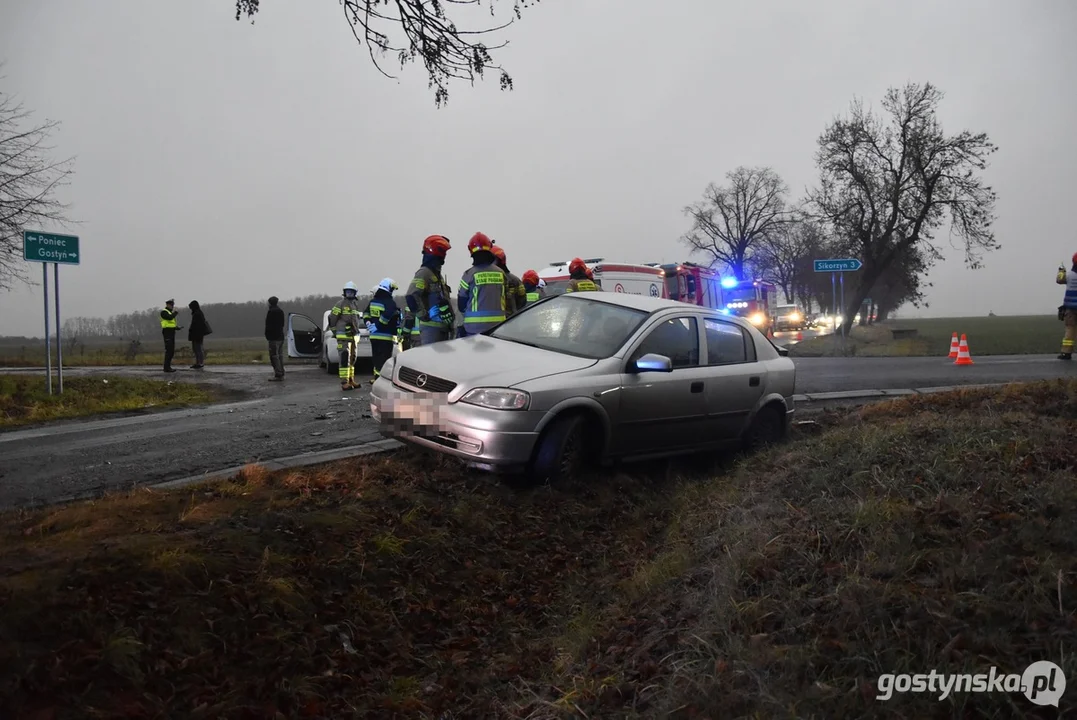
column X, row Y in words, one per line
column 304, row 338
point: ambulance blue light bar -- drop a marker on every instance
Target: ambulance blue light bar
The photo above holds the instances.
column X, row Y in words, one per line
column 729, row 282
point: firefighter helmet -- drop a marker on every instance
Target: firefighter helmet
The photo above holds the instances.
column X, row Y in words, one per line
column 436, row 245
column 576, row 265
column 350, row 287
column 1075, row 258
column 531, row 277
column 388, row 285
column 479, row 241
column 498, row 252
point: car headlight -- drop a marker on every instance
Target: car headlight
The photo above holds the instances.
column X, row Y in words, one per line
column 758, row 319
column 387, row 369
column 795, row 317
column 497, row 398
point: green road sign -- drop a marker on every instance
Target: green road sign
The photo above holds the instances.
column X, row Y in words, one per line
column 45, row 247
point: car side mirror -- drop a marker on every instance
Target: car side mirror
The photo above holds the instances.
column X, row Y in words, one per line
column 652, row 362
column 784, row 352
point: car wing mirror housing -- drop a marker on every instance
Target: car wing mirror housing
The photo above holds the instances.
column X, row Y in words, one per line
column 784, row 352
column 652, row 362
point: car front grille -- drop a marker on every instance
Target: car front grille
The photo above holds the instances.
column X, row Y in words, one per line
column 432, row 384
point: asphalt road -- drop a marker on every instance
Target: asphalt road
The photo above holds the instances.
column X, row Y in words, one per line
column 308, row 413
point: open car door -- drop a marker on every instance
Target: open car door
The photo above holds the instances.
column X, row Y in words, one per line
column 304, row 337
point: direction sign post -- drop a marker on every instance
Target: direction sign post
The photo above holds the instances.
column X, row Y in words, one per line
column 60, row 250
column 836, row 267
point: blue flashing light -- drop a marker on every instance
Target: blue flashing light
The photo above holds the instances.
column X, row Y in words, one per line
column 725, row 311
column 729, row 282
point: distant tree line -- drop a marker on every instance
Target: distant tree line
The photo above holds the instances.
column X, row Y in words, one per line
column 228, row 320
column 888, row 183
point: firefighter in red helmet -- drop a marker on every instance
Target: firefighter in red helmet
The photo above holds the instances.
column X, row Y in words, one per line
column 533, row 292
column 515, row 295
column 581, row 278
column 481, row 297
column 429, row 296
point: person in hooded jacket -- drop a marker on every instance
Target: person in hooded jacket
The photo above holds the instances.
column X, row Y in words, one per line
column 196, row 334
column 382, row 316
column 428, row 296
column 515, row 295
column 482, row 288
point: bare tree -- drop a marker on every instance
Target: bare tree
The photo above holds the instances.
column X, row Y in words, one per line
column 731, row 221
column 890, row 183
column 29, row 179
column 782, row 253
column 429, row 34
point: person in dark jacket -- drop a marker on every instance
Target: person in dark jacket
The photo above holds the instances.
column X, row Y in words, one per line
column 275, row 338
column 381, row 317
column 196, row 334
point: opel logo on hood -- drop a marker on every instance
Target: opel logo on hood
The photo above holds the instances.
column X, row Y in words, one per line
column 421, row 380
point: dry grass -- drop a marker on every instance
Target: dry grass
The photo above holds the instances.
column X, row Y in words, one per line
column 1006, row 335
column 24, row 399
column 928, row 533
column 933, row 532
column 105, row 353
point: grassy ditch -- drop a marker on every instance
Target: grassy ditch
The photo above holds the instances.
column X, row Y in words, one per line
column 24, row 399
column 927, row 533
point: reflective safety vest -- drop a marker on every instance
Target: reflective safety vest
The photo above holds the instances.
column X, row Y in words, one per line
column 168, row 319
column 532, row 295
column 1069, row 299
column 582, row 286
column 384, row 315
column 346, row 314
column 482, row 298
column 429, row 290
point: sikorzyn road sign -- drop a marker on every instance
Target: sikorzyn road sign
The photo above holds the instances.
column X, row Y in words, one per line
column 838, row 265
column 45, row 247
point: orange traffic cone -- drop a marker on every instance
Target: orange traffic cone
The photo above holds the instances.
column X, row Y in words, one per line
column 963, row 357
column 800, row 336
column 954, row 348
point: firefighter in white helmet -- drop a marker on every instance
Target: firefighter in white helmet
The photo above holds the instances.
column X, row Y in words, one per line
column 345, row 320
column 381, row 318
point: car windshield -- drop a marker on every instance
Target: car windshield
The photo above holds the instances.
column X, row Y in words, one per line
column 574, row 325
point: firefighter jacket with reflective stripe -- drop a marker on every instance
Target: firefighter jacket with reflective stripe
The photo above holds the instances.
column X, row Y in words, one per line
column 429, row 290
column 346, row 318
column 584, row 285
column 515, row 295
column 382, row 311
column 1069, row 299
column 482, row 298
column 532, row 294
column 168, row 320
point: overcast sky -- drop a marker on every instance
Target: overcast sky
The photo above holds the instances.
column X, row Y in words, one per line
column 223, row 161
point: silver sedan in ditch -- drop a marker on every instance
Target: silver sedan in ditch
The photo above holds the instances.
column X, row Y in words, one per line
column 589, row 378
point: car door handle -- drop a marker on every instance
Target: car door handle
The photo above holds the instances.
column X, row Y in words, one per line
column 696, row 387
column 753, row 381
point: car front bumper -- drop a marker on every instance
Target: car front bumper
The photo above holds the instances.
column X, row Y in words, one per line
column 501, row 440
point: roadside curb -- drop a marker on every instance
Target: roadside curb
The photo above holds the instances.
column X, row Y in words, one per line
column 304, row 460
column 890, row 392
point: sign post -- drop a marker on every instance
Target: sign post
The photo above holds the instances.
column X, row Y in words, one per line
column 60, row 250
column 836, row 267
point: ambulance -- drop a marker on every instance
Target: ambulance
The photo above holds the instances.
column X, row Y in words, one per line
column 611, row 277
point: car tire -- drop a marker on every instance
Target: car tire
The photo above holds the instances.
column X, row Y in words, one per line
column 559, row 453
column 767, row 428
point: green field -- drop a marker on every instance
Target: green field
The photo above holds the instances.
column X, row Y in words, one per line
column 96, row 353
column 1003, row 335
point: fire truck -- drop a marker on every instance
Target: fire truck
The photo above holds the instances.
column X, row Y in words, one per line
column 752, row 299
